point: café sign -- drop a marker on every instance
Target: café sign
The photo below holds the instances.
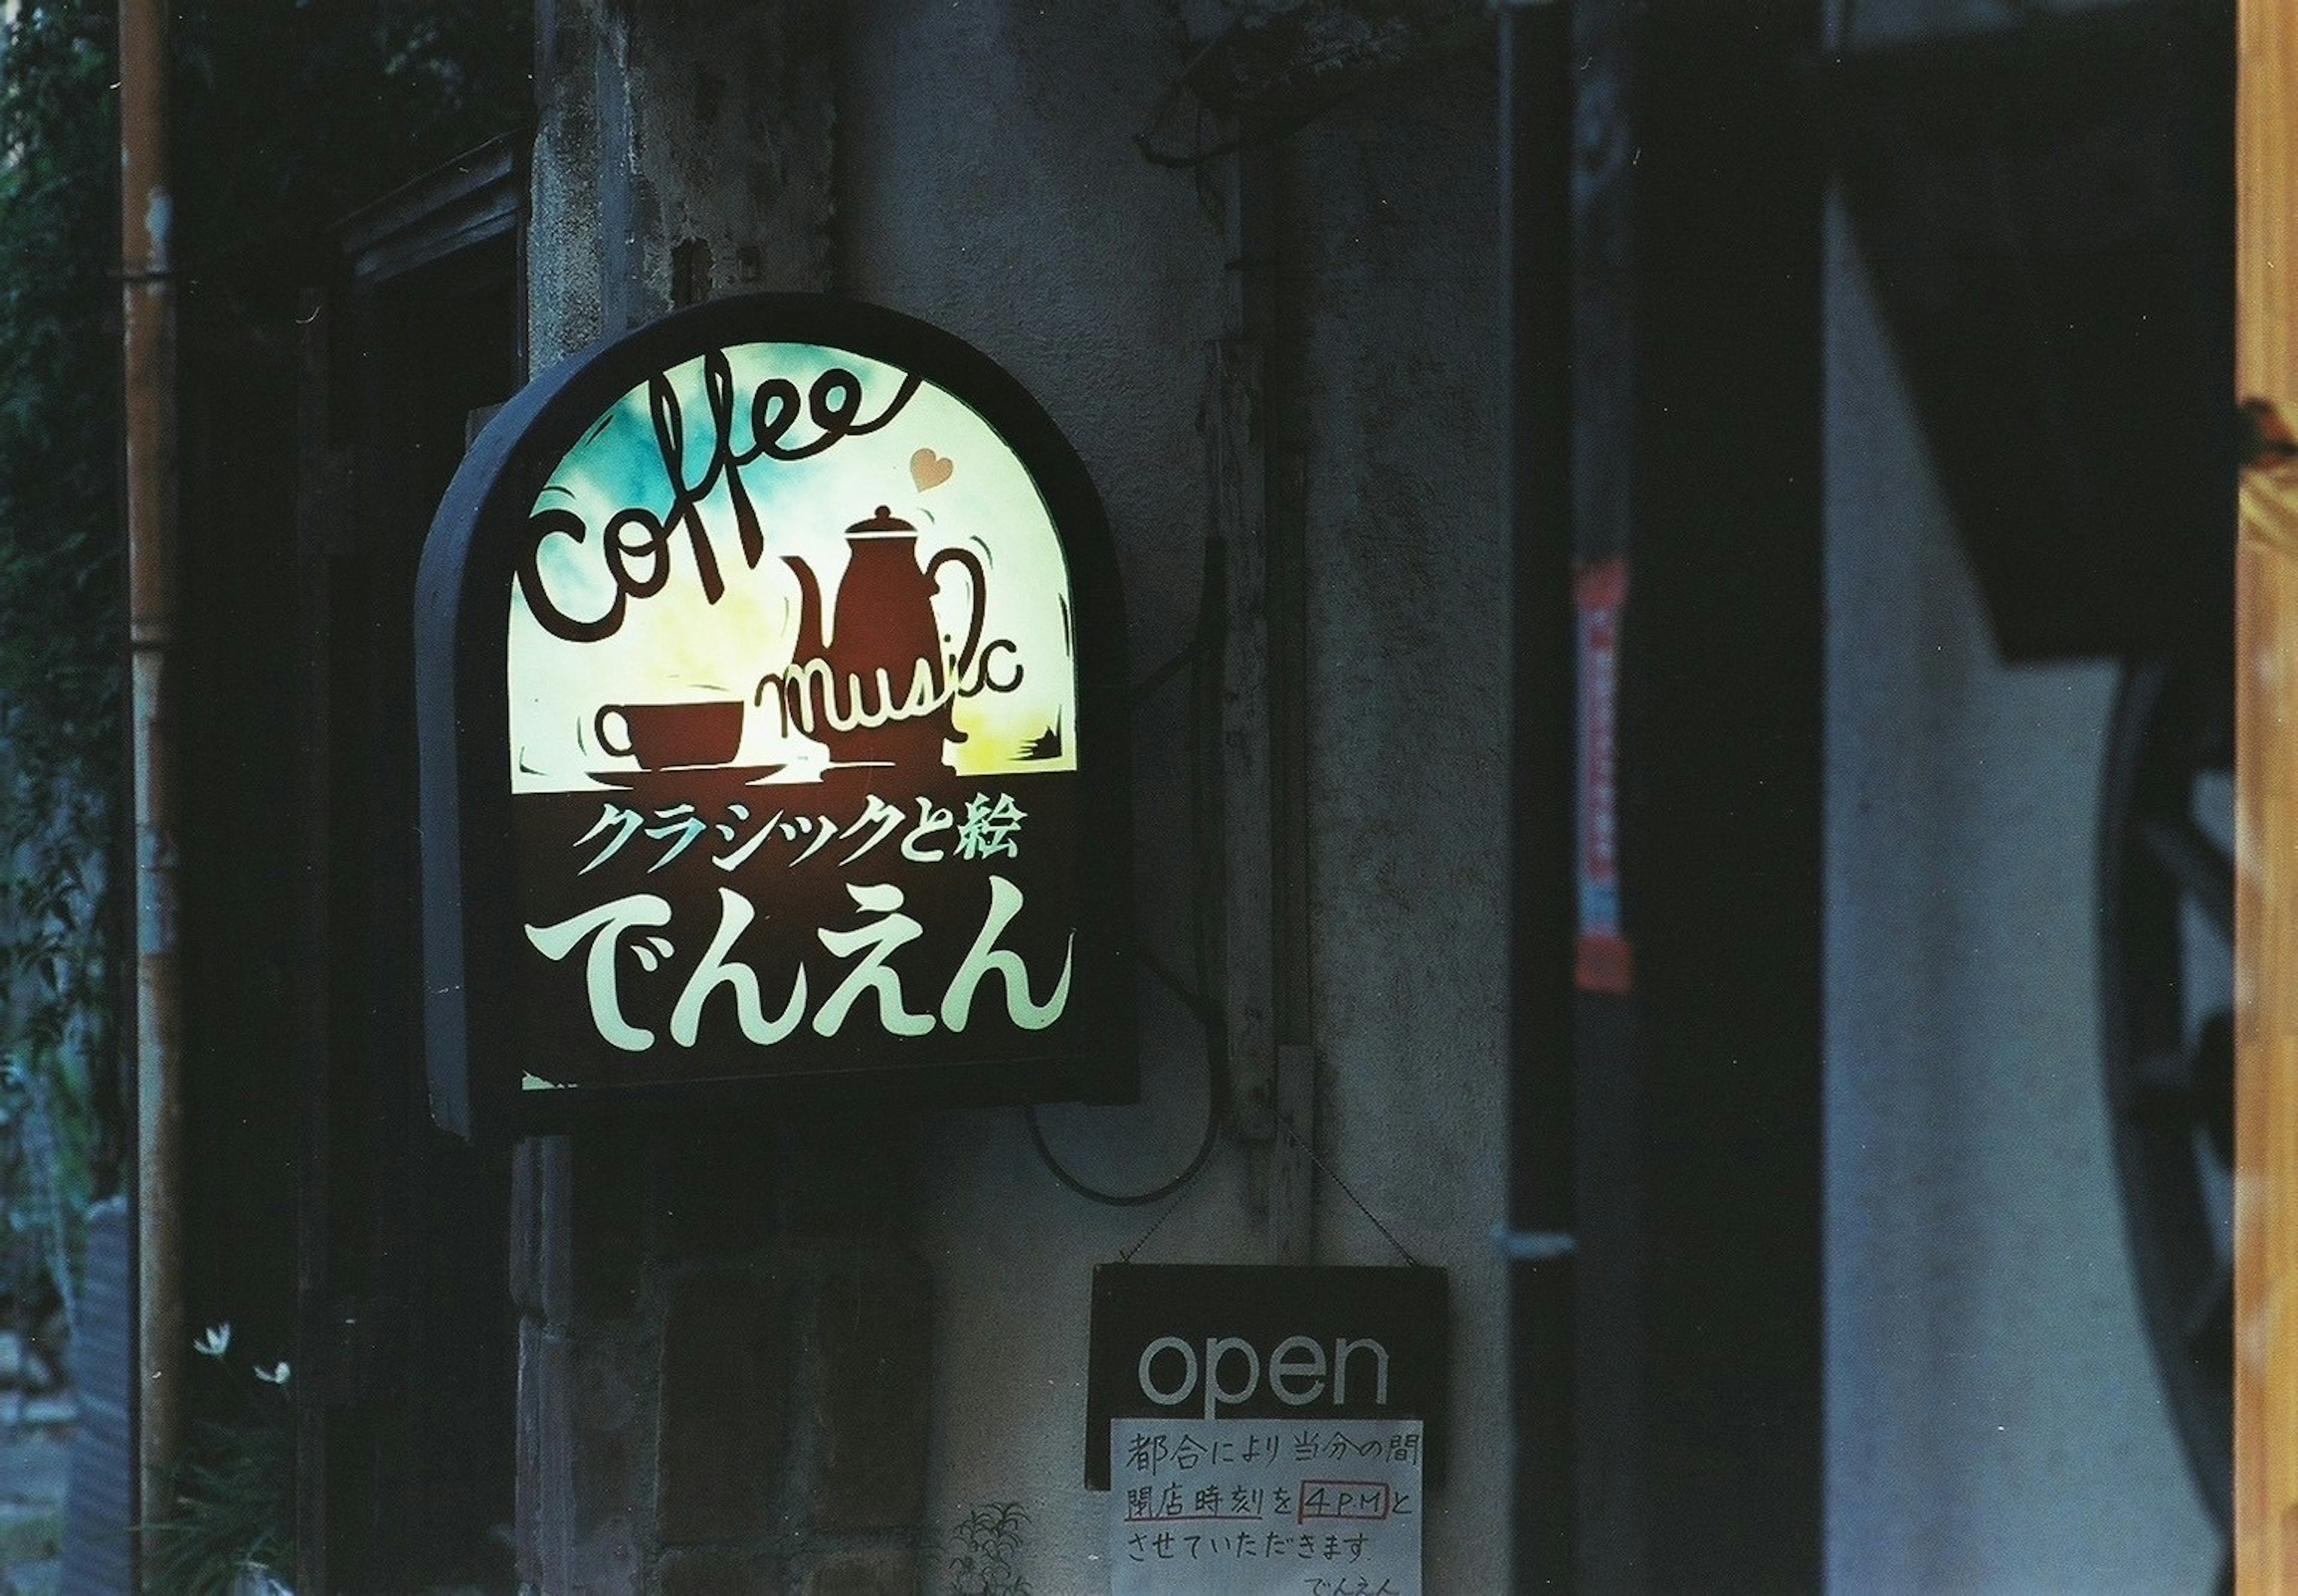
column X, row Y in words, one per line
column 771, row 720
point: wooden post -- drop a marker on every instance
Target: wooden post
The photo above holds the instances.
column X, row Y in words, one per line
column 2266, row 799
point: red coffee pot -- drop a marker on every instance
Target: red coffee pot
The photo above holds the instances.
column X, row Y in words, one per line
column 875, row 686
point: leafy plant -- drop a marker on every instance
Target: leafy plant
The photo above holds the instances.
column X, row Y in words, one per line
column 61, row 634
column 232, row 1492
column 989, row 1541
column 288, row 113
column 48, row 1185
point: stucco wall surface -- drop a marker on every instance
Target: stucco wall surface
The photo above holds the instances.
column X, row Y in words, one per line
column 988, row 182
column 1994, row 1420
column 1394, row 201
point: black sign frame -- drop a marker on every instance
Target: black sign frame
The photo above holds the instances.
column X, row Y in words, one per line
column 1263, row 1305
column 461, row 692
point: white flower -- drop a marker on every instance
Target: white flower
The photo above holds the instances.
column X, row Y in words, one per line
column 277, row 1375
column 215, row 1342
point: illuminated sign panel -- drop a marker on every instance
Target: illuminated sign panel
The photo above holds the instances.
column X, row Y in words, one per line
column 774, row 668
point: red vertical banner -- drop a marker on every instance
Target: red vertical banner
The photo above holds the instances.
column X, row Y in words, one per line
column 1602, row 960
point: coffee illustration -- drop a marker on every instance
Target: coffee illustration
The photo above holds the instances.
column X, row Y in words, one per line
column 673, row 736
column 876, row 684
column 854, row 547
column 792, row 726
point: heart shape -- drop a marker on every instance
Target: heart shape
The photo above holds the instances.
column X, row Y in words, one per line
column 928, row 469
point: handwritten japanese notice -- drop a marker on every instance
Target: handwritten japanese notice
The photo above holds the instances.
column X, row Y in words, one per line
column 1259, row 1507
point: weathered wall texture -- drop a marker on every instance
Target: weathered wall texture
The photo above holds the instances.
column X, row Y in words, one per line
column 724, row 1333
column 722, row 1362
column 1395, row 203
column 986, row 179
column 988, row 182
column 1994, row 1420
column 681, row 152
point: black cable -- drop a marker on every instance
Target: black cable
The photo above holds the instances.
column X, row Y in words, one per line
column 1217, row 1073
column 1204, row 712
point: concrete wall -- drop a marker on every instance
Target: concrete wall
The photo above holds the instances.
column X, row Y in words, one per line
column 1409, row 678
column 1994, row 1420
column 987, row 181
column 724, row 1333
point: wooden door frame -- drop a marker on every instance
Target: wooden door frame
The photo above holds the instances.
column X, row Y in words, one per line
column 2265, row 820
column 437, row 235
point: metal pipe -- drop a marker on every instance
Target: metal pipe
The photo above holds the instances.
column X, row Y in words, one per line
column 148, row 369
column 1535, row 138
column 1266, row 202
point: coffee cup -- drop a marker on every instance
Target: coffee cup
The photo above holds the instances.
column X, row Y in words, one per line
column 670, row 736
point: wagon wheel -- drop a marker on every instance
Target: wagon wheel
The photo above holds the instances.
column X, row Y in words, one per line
column 2166, row 935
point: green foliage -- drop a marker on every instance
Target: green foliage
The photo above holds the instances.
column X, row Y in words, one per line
column 36, row 1538
column 234, row 1499
column 59, row 557
column 989, row 1541
column 61, row 630
column 233, row 1490
column 288, row 114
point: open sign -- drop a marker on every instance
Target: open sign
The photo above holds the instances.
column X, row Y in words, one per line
column 1297, row 1370
column 1291, row 1346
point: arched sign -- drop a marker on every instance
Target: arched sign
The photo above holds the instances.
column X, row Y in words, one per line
column 771, row 716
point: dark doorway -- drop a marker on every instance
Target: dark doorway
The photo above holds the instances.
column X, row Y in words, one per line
column 405, row 1325
column 1665, row 1244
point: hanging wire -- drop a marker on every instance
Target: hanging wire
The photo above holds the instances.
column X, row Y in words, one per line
column 1127, row 1255
column 1204, row 679
column 1334, row 1175
column 1216, row 1093
column 1202, row 997
column 1259, row 109
column 1207, row 1014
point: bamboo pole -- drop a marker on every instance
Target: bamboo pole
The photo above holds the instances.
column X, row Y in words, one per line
column 148, row 365
column 2266, row 826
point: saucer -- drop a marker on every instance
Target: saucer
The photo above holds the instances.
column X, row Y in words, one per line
column 684, row 778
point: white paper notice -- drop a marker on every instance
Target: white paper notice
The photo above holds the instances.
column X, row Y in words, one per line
column 1239, row 1507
